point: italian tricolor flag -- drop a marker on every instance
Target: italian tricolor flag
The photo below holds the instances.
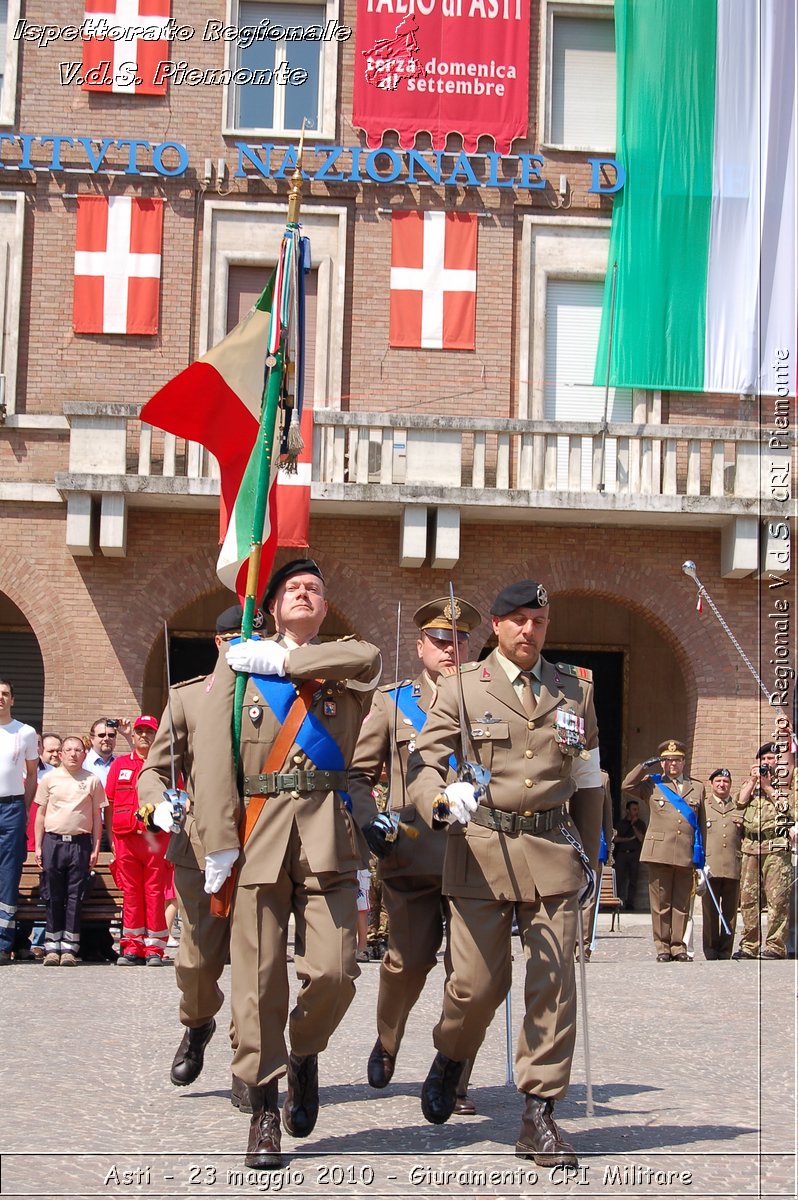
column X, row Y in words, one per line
column 217, row 402
column 704, row 231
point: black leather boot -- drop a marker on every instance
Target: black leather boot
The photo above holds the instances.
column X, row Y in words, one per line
column 263, row 1146
column 540, row 1138
column 380, row 1067
column 439, row 1093
column 301, row 1107
column 464, row 1106
column 190, row 1058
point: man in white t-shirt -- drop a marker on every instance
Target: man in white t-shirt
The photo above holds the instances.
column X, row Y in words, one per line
column 19, row 758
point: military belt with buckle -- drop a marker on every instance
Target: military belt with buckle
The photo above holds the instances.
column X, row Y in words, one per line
column 271, row 783
column 510, row 822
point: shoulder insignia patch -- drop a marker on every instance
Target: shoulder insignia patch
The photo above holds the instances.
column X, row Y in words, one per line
column 578, row 672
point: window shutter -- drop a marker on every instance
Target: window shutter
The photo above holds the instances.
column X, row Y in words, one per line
column 573, row 317
column 22, row 663
column 583, row 82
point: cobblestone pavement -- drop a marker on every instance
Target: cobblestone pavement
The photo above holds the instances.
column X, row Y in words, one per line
column 693, row 1087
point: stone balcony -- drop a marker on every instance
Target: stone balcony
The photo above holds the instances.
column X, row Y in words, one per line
column 434, row 472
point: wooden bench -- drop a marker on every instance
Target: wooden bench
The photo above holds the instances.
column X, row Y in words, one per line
column 608, row 897
column 103, row 903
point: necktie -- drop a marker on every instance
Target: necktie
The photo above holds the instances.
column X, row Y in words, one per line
column 527, row 695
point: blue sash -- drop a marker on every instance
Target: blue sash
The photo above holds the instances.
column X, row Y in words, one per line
column 603, row 850
column 313, row 738
column 684, row 808
column 409, row 707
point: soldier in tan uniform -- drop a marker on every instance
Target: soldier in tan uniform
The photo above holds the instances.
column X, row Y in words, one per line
column 676, row 828
column 205, row 939
column 723, row 854
column 411, row 870
column 514, row 849
column 302, row 852
column 769, row 813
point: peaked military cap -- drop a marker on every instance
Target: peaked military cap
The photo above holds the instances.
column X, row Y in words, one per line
column 435, row 617
column 526, row 594
column 671, row 749
column 720, row 773
column 297, row 566
column 230, row 620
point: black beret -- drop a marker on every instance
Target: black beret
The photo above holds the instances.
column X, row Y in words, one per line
column 767, row 748
column 526, row 594
column 230, row 620
column 720, row 772
column 297, row 566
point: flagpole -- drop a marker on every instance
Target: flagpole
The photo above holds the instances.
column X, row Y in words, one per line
column 266, row 435
column 602, row 481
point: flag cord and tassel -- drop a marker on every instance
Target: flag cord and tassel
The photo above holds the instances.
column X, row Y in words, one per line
column 689, row 568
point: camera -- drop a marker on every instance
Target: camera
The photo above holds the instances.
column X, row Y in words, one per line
column 112, row 722
column 764, row 769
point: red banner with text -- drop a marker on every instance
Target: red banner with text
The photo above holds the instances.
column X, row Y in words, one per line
column 446, row 66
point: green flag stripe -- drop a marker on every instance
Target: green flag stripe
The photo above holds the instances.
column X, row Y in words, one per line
column 661, row 220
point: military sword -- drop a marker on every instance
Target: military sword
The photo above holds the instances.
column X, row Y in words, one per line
column 394, row 817
column 467, row 770
column 585, row 1034
column 714, row 900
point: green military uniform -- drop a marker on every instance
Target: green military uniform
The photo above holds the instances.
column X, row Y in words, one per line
column 766, row 871
column 723, row 846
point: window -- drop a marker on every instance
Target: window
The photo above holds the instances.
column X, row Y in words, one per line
column 578, row 81
column 12, row 224
column 9, row 15
column 573, row 317
column 260, row 102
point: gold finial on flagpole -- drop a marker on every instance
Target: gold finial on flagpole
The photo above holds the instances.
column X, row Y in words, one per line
column 295, row 191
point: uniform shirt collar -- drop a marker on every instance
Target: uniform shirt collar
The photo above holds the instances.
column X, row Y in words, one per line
column 512, row 670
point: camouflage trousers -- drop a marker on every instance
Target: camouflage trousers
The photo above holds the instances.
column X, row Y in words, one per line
column 768, row 876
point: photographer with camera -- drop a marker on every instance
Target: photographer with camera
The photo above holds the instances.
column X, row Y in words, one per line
column 766, row 866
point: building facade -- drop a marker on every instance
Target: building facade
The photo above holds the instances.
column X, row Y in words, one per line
column 429, row 465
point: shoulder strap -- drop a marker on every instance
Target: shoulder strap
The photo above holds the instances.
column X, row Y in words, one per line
column 222, row 900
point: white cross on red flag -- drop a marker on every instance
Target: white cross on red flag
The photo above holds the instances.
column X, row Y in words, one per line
column 433, row 280
column 117, row 265
column 136, row 26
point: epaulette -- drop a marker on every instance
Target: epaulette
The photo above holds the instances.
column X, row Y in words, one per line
column 186, row 682
column 579, row 672
column 469, row 666
column 389, row 687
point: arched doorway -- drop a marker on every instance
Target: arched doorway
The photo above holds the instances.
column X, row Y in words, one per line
column 640, row 691
column 21, row 663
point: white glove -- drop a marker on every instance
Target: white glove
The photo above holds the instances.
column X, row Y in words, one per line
column 701, row 877
column 257, row 658
column 588, row 891
column 163, row 816
column 462, row 802
column 218, row 866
